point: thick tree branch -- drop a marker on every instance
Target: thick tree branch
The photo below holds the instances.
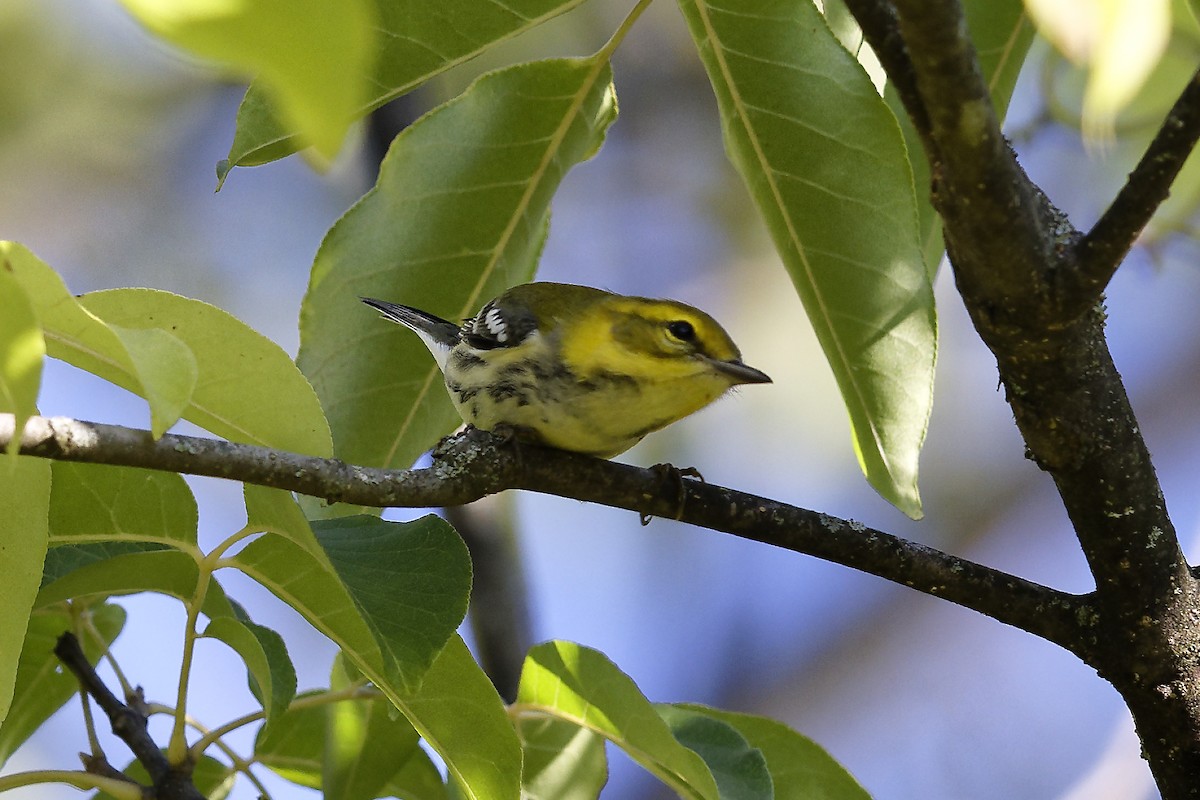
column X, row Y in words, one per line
column 1013, row 256
column 1100, row 252
column 988, row 205
column 128, row 724
column 473, row 464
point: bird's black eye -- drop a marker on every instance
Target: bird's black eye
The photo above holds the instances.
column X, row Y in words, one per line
column 682, row 330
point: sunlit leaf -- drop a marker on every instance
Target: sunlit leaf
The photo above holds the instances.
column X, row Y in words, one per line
column 22, row 353
column 576, row 684
column 157, row 366
column 458, row 214
column 827, row 167
column 273, row 404
column 1120, row 42
column 563, row 761
column 24, row 505
column 97, row 502
column 415, row 41
column 456, row 710
column 313, row 56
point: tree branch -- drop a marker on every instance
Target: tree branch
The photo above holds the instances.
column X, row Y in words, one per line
column 474, row 463
column 129, row 724
column 1101, row 251
column 881, row 29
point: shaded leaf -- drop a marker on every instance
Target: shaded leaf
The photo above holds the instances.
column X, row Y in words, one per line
column 456, row 710
column 272, row 678
column 295, row 749
column 826, row 165
column 415, row 41
column 800, row 768
column 582, row 686
column 410, row 582
column 458, row 214
column 739, row 768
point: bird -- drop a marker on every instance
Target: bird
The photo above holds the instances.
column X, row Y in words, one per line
column 578, row 368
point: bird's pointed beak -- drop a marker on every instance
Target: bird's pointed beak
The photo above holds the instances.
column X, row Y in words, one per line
column 741, row 373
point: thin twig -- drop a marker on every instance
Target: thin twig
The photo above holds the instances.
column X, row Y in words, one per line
column 128, row 724
column 1100, row 252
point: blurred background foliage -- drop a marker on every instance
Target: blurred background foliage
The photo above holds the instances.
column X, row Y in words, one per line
column 107, row 148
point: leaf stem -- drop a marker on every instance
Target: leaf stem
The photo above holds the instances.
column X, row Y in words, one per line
column 122, row 790
column 605, row 52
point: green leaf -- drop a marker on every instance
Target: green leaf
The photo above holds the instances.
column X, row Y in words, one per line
column 415, row 41
column 295, row 749
column 363, row 744
column 826, row 165
column 41, row 686
column 24, row 504
column 167, row 369
column 164, row 571
column 562, row 760
column 458, row 712
column 800, row 768
column 22, row 354
column 579, row 685
column 456, row 709
column 96, row 502
column 272, row 677
column 313, row 55
column 409, row 580
column 155, row 365
column 248, row 389
column 739, row 768
column 448, row 226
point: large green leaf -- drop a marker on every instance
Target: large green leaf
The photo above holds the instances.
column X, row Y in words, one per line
column 22, row 353
column 96, row 502
column 826, row 165
column 415, row 40
column 24, row 533
column 158, row 366
column 313, row 55
column 582, row 686
column 456, row 709
column 410, row 582
column 248, row 389
column 458, row 214
column 42, row 686
column 179, row 354
column 800, row 769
